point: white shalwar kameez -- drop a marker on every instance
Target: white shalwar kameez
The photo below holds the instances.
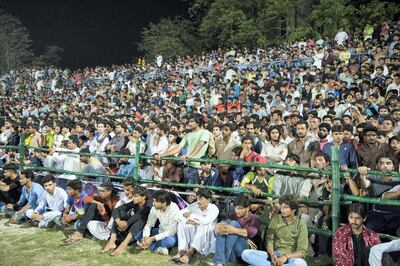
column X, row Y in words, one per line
column 201, row 236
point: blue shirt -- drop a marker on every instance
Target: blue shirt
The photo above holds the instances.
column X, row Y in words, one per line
column 126, row 170
column 347, row 154
column 32, row 196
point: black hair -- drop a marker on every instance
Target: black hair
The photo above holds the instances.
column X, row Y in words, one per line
column 204, row 192
column 387, row 156
column 141, row 191
column 125, row 151
column 337, row 128
column 294, row 157
column 85, row 150
column 75, row 185
column 291, row 201
column 269, row 130
column 327, row 126
column 163, row 197
column 163, row 127
column 28, row 173
column 324, row 155
column 128, row 183
column 237, row 151
column 369, row 128
column 348, row 128
column 138, row 129
column 74, row 139
column 248, row 138
column 198, row 119
column 302, row 122
column 356, row 208
column 10, row 167
column 48, row 178
column 243, row 200
column 230, row 126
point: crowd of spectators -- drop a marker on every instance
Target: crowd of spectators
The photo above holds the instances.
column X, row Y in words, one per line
column 286, row 105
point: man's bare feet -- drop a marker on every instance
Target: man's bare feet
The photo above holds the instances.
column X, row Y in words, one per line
column 119, row 250
column 184, row 259
column 110, row 246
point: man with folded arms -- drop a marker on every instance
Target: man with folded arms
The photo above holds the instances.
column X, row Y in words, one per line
column 196, row 228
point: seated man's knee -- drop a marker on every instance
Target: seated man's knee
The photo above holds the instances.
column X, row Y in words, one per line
column 168, row 242
column 299, row 262
column 246, row 254
column 29, row 213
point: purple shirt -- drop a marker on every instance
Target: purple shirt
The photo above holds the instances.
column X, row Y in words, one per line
column 251, row 223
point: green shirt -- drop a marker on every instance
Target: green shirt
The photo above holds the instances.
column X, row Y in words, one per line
column 288, row 238
column 192, row 139
column 265, row 185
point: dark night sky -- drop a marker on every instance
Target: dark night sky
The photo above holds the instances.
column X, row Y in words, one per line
column 91, row 32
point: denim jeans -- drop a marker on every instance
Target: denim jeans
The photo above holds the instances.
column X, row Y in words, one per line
column 168, row 242
column 260, row 258
column 10, row 213
column 228, row 248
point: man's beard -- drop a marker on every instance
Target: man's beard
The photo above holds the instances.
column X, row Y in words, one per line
column 321, row 135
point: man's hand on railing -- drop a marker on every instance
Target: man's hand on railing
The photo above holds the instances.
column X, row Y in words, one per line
column 52, row 151
column 363, row 170
column 108, row 171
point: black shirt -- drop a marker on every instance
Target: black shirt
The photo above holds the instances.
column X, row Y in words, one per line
column 11, row 196
column 360, row 251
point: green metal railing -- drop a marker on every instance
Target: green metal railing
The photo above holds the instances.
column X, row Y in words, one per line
column 334, row 171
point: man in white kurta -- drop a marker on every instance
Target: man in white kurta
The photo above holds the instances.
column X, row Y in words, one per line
column 51, row 205
column 196, row 227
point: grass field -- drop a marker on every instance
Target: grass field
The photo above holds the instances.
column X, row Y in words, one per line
column 34, row 246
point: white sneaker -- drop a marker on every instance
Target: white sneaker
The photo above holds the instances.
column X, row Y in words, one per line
column 162, row 251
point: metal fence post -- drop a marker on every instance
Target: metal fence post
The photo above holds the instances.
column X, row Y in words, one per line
column 136, row 176
column 335, row 189
column 21, row 151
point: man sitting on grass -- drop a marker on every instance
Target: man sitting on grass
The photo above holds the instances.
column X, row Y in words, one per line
column 51, row 205
column 196, row 228
column 232, row 234
column 10, row 187
column 75, row 208
column 287, row 238
column 98, row 208
column 30, row 196
column 164, row 237
column 128, row 218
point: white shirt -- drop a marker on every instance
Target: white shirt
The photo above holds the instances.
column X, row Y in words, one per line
column 70, row 162
column 161, row 146
column 168, row 222
column 52, row 202
column 203, row 217
column 275, row 154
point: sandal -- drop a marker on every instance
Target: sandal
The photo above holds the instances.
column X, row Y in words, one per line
column 71, row 240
